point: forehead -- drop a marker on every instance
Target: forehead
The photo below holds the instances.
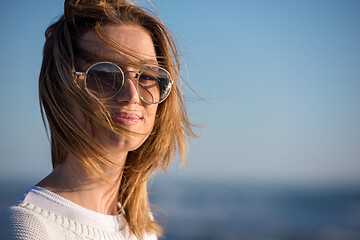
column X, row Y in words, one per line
column 130, row 43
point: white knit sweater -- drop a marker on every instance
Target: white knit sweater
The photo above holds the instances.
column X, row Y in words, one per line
column 43, row 215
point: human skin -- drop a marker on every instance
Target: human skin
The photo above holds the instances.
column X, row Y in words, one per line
column 69, row 179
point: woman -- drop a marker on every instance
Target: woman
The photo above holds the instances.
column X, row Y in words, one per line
column 110, row 89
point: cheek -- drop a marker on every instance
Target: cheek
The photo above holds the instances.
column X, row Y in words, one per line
column 151, row 114
column 81, row 119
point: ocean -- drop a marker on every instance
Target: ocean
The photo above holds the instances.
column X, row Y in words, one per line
column 193, row 210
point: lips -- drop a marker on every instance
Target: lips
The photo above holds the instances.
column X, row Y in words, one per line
column 126, row 118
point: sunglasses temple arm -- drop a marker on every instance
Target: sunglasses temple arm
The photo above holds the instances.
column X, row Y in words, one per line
column 80, row 74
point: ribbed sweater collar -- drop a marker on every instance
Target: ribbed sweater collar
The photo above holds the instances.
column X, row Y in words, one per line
column 56, row 204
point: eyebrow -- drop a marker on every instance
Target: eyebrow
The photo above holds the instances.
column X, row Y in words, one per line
column 93, row 56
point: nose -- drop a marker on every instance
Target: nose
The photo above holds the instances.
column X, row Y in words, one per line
column 128, row 92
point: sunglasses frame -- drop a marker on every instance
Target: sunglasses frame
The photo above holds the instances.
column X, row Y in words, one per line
column 84, row 74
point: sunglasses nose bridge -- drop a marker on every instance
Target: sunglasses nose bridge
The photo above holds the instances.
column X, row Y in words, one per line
column 132, row 76
column 136, row 74
column 128, row 91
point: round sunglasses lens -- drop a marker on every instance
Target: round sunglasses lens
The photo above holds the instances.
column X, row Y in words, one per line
column 154, row 85
column 104, row 80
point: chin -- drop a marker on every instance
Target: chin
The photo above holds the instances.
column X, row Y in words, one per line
column 114, row 143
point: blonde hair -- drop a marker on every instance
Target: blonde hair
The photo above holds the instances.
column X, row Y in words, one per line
column 57, row 87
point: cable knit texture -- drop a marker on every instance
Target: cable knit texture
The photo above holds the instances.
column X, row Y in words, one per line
column 42, row 215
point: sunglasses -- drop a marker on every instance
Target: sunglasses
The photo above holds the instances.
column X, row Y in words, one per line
column 104, row 80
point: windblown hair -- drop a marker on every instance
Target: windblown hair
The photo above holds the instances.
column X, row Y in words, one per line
column 58, row 87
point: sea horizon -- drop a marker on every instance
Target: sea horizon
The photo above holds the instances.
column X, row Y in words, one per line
column 196, row 210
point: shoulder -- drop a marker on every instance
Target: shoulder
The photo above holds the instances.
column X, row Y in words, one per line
column 151, row 236
column 21, row 222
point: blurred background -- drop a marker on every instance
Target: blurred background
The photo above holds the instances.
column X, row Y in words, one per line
column 279, row 152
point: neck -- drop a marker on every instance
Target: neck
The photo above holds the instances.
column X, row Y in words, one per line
column 72, row 182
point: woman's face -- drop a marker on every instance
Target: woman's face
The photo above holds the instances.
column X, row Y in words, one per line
column 127, row 109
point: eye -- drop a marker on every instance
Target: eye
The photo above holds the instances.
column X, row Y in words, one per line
column 144, row 77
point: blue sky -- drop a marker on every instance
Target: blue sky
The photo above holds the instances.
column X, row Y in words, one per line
column 281, row 80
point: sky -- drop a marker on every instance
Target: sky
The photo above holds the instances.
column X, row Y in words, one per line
column 280, row 81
